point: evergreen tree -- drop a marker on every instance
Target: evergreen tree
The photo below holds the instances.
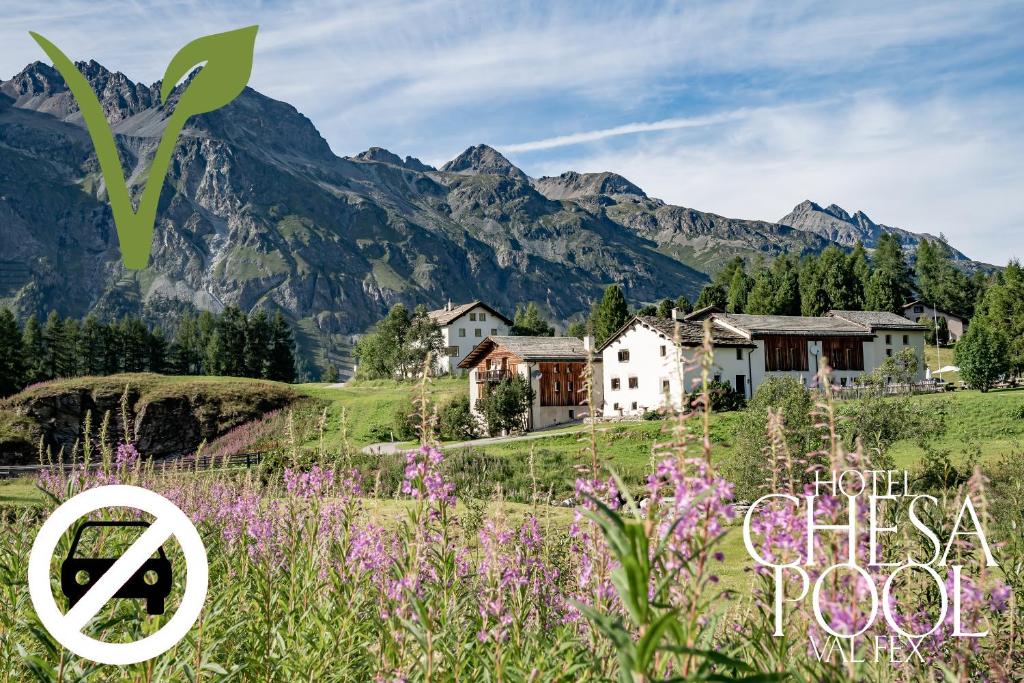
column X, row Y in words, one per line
column 861, row 273
column 683, row 304
column 711, row 295
column 665, row 307
column 1002, row 308
column 813, row 300
column 90, row 346
column 739, row 288
column 890, row 283
column 34, row 351
column 134, row 343
column 257, row 345
column 609, row 314
column 231, row 331
column 186, row 354
column 112, row 349
column 156, row 351
column 528, row 322
column 53, row 340
column 281, row 366
column 838, row 282
column 12, row 355
column 939, row 281
column 576, row 329
column 67, row 354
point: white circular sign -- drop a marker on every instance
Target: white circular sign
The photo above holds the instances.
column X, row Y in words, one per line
column 168, row 521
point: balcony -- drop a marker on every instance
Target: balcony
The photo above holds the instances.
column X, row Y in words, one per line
column 492, row 375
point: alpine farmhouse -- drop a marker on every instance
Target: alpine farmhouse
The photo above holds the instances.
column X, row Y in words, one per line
column 646, row 362
column 463, row 326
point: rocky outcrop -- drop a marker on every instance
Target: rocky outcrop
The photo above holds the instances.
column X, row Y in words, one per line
column 169, row 417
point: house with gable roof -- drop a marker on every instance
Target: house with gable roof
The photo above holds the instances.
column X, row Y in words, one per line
column 463, row 327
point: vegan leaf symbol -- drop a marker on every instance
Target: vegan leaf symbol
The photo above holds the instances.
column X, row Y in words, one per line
column 228, row 64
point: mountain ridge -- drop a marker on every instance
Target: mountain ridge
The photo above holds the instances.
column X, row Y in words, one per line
column 258, row 211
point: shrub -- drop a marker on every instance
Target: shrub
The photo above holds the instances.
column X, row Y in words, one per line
column 795, row 401
column 723, row 397
column 982, row 355
column 457, row 421
column 405, row 424
column 880, row 421
column 505, row 405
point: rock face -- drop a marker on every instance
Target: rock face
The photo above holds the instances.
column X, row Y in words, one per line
column 836, row 225
column 257, row 211
column 168, row 420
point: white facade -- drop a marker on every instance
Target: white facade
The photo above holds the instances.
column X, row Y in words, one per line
column 954, row 323
column 462, row 334
column 645, row 370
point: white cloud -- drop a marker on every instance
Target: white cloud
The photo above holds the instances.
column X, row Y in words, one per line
column 936, row 166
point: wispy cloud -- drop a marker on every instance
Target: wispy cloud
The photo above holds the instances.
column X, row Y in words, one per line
column 728, row 106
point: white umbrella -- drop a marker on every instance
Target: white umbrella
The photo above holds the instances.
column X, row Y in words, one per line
column 948, row 368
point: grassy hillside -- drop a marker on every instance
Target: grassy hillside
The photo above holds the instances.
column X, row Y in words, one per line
column 369, row 406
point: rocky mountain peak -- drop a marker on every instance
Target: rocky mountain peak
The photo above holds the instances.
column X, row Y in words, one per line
column 381, row 155
column 35, row 79
column 573, row 185
column 837, row 211
column 483, row 160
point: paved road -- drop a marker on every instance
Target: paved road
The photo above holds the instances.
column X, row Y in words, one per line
column 390, row 447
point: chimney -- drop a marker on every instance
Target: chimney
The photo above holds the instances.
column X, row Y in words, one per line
column 678, row 314
column 588, row 342
column 448, row 306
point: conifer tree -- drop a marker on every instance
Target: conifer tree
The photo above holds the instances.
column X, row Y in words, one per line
column 12, row 355
column 282, row 351
column 610, row 313
column 34, row 350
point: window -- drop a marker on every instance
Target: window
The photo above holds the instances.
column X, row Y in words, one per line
column 888, row 352
column 623, row 355
column 483, row 316
column 462, row 332
column 554, row 368
column 634, row 383
column 452, row 351
column 494, row 331
column 718, row 377
column 615, row 384
column 906, row 339
column 665, row 386
column 739, row 353
column 918, row 309
column 663, row 351
column 842, row 381
column 572, row 414
column 472, row 316
column 888, row 339
column 558, row 386
column 615, row 406
column 477, row 332
column 633, row 405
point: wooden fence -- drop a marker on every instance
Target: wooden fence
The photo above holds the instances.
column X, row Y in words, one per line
column 858, row 391
column 203, row 462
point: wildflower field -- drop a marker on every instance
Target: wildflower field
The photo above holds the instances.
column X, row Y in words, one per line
column 321, row 571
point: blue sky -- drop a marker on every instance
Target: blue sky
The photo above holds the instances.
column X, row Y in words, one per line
column 910, row 112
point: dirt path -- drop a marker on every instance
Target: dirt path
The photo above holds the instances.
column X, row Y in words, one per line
column 391, row 447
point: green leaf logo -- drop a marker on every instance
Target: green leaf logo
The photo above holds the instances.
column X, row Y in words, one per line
column 228, row 64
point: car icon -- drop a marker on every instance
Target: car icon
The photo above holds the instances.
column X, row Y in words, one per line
column 152, row 581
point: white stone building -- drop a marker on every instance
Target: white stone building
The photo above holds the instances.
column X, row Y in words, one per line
column 463, row 327
column 645, row 364
column 954, row 323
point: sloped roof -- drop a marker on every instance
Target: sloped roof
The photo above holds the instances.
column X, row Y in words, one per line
column 446, row 316
column 877, row 320
column 702, row 313
column 925, row 303
column 529, row 348
column 797, row 325
column 689, row 333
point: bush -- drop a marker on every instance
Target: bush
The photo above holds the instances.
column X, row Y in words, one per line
column 457, row 421
column 723, row 397
column 406, row 423
column 880, row 421
column 983, row 356
column 752, row 470
column 505, row 405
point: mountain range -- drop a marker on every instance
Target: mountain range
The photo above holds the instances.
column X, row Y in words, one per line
column 258, row 211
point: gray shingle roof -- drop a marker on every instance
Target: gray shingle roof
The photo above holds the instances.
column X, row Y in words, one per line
column 530, row 348
column 877, row 320
column 446, row 316
column 692, row 333
column 793, row 325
